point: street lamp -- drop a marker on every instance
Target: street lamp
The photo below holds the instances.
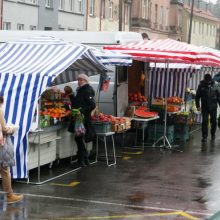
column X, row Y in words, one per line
column 190, row 23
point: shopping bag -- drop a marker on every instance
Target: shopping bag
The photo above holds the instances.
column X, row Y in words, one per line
column 7, row 153
column 79, row 126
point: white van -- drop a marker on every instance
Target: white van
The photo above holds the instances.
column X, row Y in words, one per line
column 115, row 100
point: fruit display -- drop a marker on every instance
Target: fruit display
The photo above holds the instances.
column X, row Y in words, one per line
column 143, row 112
column 158, row 101
column 174, row 100
column 173, row 108
column 136, row 97
column 183, row 118
column 118, row 123
column 54, row 108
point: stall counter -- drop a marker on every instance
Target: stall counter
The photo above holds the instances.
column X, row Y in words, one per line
column 50, row 144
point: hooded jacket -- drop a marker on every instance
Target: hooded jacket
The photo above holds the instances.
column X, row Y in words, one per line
column 209, row 93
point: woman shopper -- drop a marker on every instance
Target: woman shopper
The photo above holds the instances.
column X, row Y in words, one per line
column 4, row 162
column 84, row 100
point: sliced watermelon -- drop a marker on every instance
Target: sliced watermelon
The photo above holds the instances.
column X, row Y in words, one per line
column 145, row 114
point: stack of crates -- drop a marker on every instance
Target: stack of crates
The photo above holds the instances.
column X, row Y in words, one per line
column 156, row 131
column 181, row 132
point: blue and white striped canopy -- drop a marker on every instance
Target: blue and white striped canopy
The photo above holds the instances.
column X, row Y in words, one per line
column 27, row 68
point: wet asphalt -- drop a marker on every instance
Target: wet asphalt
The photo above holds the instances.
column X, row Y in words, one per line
column 159, row 183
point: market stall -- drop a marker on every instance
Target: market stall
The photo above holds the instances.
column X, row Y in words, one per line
column 28, row 67
column 166, row 51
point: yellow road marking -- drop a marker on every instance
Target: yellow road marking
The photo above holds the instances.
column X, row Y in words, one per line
column 132, row 153
column 126, row 158
column 72, row 184
column 184, row 214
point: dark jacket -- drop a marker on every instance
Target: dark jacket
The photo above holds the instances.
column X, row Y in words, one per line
column 209, row 93
column 84, row 99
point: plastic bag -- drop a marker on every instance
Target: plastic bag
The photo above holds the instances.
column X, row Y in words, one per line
column 79, row 126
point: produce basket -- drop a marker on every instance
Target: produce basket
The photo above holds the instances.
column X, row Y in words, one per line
column 102, row 127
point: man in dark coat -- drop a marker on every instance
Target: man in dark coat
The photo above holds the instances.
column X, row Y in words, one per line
column 84, row 100
column 209, row 94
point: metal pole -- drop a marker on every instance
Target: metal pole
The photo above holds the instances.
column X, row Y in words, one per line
column 39, row 129
column 120, row 16
column 190, row 23
column 1, row 21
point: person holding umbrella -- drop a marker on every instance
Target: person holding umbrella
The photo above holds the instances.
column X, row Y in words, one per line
column 208, row 94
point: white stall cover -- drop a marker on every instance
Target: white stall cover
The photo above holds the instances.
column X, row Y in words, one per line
column 27, row 68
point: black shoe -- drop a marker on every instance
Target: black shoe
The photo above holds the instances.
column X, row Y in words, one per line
column 213, row 137
column 87, row 162
column 204, row 140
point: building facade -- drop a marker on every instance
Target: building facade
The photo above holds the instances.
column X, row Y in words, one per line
column 108, row 15
column 43, row 15
column 204, row 27
column 75, row 15
column 151, row 17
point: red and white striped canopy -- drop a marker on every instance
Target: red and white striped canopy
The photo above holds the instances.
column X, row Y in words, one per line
column 167, row 50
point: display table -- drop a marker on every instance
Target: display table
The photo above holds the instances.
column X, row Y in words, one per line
column 48, row 145
column 103, row 136
column 144, row 122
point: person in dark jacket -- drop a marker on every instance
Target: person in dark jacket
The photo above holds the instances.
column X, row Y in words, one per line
column 209, row 94
column 84, row 99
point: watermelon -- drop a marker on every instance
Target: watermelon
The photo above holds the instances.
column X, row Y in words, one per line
column 145, row 114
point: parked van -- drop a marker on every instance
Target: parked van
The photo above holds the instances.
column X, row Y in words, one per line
column 115, row 100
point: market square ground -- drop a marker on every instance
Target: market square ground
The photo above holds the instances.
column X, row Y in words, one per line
column 156, row 184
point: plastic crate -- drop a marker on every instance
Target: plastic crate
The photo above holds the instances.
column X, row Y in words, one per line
column 181, row 137
column 181, row 128
column 102, row 127
column 160, row 129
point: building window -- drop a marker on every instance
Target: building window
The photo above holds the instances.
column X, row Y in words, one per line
column 103, row 8
column 20, row 27
column 207, row 30
column 156, row 13
column 71, row 5
column 33, row 2
column 33, row 28
column 161, row 15
column 145, row 9
column 6, row 25
column 80, row 6
column 194, row 27
column 61, row 4
column 127, row 14
column 47, row 28
column 91, row 7
column 111, row 9
column 48, row 3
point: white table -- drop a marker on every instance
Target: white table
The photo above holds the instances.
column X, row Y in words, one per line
column 144, row 122
column 103, row 136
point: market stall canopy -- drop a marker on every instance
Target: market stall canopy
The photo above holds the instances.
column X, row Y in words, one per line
column 27, row 68
column 112, row 57
column 106, row 58
column 167, row 50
